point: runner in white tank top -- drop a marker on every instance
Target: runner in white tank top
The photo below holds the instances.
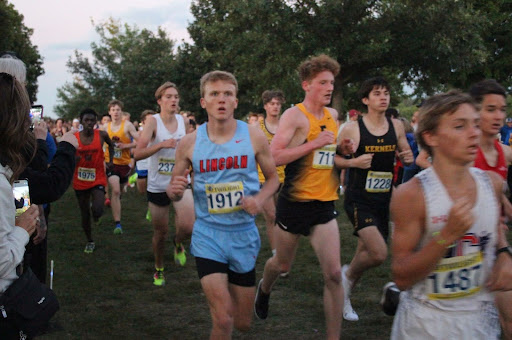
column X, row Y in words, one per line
column 447, row 232
column 158, row 141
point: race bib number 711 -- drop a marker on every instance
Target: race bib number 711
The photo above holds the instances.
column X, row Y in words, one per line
column 324, row 157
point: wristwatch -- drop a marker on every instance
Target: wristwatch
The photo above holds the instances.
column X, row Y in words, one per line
column 507, row 249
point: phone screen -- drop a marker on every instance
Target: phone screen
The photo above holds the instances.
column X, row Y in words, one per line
column 36, row 113
column 21, row 196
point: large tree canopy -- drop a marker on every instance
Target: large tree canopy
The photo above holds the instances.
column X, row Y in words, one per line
column 127, row 64
column 429, row 46
column 15, row 37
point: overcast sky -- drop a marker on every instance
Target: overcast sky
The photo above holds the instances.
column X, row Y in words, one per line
column 60, row 27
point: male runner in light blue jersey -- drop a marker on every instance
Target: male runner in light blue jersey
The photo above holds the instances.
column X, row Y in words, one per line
column 223, row 154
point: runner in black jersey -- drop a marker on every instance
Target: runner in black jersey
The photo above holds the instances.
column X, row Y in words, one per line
column 368, row 192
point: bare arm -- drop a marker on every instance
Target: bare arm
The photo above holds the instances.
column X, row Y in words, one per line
column 422, row 159
column 106, row 139
column 287, row 145
column 253, row 204
column 404, row 149
column 408, row 265
column 362, row 162
column 183, row 162
column 130, row 130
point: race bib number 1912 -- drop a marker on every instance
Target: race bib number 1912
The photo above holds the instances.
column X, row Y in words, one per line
column 224, row 197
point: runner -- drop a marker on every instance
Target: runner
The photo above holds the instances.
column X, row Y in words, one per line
column 89, row 180
column 223, row 154
column 272, row 103
column 368, row 192
column 306, row 142
column 158, row 141
column 119, row 132
column 446, row 252
column 494, row 156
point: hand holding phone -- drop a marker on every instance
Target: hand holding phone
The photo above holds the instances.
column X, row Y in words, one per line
column 40, row 130
column 29, row 219
column 36, row 113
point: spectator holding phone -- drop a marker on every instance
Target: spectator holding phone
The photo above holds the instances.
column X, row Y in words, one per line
column 14, row 156
column 47, row 182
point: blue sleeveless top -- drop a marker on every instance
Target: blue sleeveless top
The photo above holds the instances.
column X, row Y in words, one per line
column 223, row 174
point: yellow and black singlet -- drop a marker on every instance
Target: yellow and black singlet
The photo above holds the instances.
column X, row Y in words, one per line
column 313, row 176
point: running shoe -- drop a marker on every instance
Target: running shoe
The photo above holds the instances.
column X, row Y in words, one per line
column 89, row 247
column 107, row 202
column 132, row 179
column 180, row 257
column 348, row 312
column 261, row 303
column 118, row 229
column 158, row 278
column 390, row 298
column 148, row 215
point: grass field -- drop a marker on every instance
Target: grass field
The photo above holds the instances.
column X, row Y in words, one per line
column 110, row 294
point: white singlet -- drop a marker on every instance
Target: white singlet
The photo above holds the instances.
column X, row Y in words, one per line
column 162, row 162
column 453, row 300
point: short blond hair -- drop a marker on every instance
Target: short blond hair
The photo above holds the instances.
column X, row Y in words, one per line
column 217, row 75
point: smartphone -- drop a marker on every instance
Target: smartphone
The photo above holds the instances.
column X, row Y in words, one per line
column 21, row 196
column 36, row 113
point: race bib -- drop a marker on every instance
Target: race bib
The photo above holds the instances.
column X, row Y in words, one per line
column 165, row 166
column 323, row 158
column 224, row 197
column 378, row 181
column 455, row 277
column 86, row 174
column 117, row 153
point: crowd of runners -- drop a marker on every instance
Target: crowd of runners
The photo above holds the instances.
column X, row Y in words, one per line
column 451, row 264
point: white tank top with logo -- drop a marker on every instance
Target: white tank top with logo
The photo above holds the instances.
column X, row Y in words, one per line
column 162, row 162
column 458, row 281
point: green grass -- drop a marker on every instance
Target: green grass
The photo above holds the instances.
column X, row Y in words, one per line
column 110, row 294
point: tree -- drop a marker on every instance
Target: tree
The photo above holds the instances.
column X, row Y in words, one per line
column 16, row 38
column 429, row 45
column 128, row 64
